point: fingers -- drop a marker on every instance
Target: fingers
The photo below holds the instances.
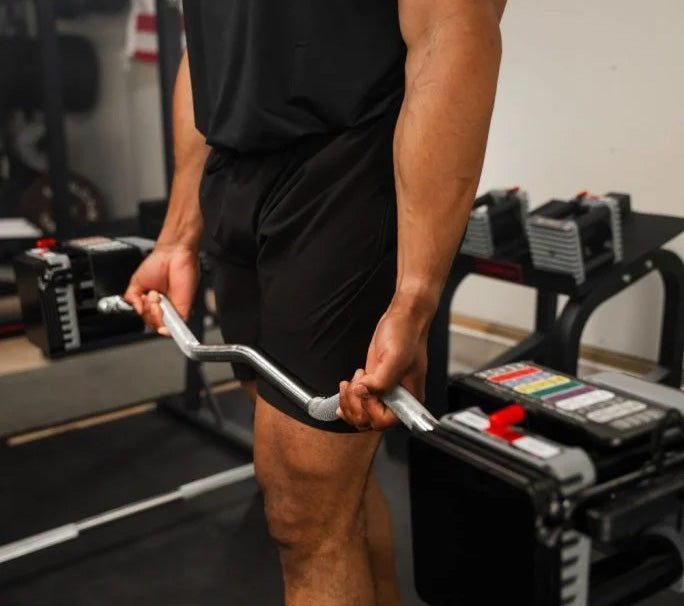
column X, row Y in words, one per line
column 369, row 386
column 147, row 306
column 135, row 296
column 152, row 313
column 351, row 406
column 383, row 378
column 381, row 416
column 171, row 271
column 361, row 409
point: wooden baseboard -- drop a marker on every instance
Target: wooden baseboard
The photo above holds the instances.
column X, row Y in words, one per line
column 632, row 364
column 99, row 419
column 48, row 432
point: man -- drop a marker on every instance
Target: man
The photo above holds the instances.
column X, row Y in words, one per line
column 339, row 145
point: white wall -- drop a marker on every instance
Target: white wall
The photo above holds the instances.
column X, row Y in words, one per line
column 591, row 97
column 118, row 145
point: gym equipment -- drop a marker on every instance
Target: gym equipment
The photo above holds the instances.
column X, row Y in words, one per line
column 85, row 203
column 509, row 499
column 20, row 77
column 68, row 532
column 580, row 235
column 557, row 333
column 70, row 9
column 550, row 489
column 496, row 226
column 583, row 412
column 16, row 234
column 409, row 410
column 198, row 404
column 59, row 287
column 52, row 74
column 401, row 402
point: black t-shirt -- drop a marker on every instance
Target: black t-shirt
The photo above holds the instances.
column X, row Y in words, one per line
column 267, row 72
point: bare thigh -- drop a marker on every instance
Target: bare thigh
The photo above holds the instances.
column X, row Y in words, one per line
column 313, row 481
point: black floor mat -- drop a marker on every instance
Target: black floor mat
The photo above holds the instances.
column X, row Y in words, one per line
column 211, row 550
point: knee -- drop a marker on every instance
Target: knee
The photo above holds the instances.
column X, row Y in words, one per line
column 300, row 522
column 289, row 524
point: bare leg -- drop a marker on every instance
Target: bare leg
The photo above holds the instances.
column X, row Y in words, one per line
column 380, row 538
column 314, row 486
column 250, row 387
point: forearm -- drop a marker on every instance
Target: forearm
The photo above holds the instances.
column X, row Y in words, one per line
column 183, row 223
column 451, row 74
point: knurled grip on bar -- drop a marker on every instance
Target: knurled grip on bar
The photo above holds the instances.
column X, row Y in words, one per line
column 409, row 411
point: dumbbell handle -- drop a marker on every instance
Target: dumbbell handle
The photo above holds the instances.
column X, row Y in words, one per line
column 409, row 411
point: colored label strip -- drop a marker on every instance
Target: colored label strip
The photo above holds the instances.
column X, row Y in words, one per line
column 557, row 388
column 537, row 386
column 568, row 394
column 515, row 374
column 511, row 383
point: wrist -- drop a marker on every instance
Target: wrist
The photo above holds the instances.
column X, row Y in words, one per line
column 419, row 295
column 181, row 230
column 417, row 305
column 183, row 240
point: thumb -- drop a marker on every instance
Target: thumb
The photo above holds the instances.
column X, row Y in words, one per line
column 384, row 377
column 182, row 297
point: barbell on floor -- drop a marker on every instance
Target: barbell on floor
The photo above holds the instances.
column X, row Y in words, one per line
column 68, row 532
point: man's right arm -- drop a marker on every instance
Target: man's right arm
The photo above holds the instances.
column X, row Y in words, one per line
column 183, row 223
column 172, row 267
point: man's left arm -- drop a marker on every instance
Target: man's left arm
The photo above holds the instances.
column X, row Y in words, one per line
column 452, row 65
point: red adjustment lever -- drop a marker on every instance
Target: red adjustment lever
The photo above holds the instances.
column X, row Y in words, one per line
column 500, row 422
column 46, row 243
column 511, row 415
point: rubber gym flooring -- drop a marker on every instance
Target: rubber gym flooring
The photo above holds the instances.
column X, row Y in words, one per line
column 209, row 551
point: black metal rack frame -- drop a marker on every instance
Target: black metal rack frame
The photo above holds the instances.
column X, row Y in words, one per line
column 53, row 106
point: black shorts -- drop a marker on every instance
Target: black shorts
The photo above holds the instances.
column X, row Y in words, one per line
column 304, row 243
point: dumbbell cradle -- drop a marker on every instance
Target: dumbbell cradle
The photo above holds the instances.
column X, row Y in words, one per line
column 409, row 411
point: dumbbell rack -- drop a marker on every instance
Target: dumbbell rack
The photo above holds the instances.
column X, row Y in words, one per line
column 555, row 340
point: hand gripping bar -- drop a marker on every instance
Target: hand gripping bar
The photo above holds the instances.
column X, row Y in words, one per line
column 409, row 411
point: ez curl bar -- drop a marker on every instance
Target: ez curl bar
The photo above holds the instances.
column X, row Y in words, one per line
column 401, row 402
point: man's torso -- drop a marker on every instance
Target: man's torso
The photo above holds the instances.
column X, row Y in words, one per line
column 267, row 72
